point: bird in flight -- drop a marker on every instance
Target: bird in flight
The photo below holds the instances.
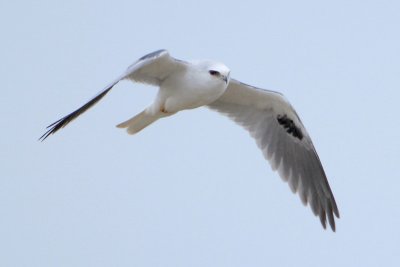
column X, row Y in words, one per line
column 265, row 114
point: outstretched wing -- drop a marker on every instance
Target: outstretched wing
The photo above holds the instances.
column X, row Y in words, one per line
column 151, row 69
column 284, row 141
column 61, row 123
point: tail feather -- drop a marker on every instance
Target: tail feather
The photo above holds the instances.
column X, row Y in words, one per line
column 138, row 122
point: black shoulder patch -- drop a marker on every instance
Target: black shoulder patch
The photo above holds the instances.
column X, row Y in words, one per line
column 289, row 126
column 153, row 54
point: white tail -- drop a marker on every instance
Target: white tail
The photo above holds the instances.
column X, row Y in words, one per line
column 138, row 122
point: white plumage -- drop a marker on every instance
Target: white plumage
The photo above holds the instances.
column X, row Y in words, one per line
column 267, row 115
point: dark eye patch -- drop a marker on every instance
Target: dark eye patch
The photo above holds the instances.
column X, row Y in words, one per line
column 214, row 73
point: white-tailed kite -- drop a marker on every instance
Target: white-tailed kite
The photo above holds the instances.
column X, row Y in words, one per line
column 267, row 115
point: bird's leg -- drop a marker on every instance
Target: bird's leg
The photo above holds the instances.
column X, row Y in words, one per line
column 163, row 110
column 165, row 113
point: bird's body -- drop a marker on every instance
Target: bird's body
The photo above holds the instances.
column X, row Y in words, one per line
column 267, row 115
column 189, row 85
column 190, row 88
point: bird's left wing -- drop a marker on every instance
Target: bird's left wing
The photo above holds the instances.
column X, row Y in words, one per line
column 284, row 141
column 152, row 69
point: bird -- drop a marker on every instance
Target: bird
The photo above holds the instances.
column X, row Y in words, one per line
column 265, row 114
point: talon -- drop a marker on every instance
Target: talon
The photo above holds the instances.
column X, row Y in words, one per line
column 163, row 110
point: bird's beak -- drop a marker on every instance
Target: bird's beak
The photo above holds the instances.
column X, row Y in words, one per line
column 225, row 78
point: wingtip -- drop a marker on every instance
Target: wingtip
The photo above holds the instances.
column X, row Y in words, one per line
column 45, row 135
column 336, row 212
column 333, row 225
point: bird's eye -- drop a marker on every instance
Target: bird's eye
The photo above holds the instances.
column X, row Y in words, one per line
column 214, row 73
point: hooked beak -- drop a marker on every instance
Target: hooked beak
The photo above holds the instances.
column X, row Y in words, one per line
column 225, row 78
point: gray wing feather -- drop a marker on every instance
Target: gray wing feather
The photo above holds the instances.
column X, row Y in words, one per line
column 284, row 142
column 151, row 69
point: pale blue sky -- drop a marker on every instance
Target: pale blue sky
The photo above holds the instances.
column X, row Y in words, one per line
column 194, row 190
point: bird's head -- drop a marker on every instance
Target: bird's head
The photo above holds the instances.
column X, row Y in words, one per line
column 216, row 71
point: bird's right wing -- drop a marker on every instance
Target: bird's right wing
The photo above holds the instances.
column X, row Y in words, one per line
column 284, row 141
column 151, row 69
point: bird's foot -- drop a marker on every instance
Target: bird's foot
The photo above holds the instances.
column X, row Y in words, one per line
column 163, row 110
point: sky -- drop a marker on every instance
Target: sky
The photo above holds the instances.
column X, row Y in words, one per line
column 193, row 189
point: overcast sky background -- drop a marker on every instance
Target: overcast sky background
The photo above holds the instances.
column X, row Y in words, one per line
column 193, row 189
